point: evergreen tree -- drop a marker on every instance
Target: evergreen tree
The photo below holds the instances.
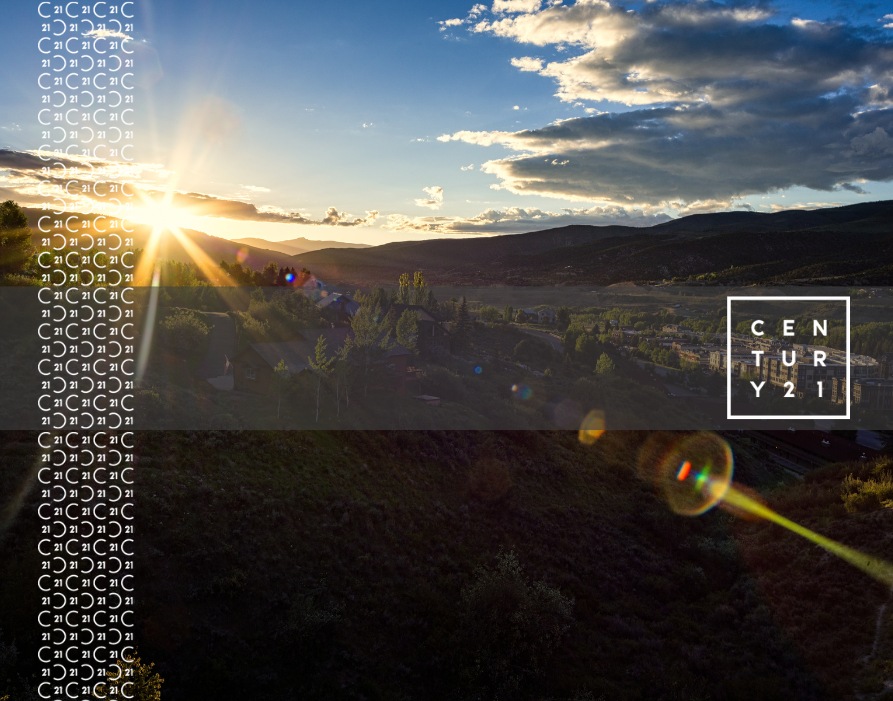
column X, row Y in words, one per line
column 142, row 682
column 281, row 377
column 430, row 302
column 604, row 366
column 269, row 274
column 345, row 372
column 586, row 348
column 371, row 336
column 462, row 328
column 408, row 330
column 322, row 366
column 15, row 238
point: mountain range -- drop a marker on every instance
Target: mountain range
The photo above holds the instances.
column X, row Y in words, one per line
column 298, row 246
column 841, row 245
column 170, row 248
column 833, row 246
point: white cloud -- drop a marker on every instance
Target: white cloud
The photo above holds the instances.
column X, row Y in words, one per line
column 473, row 14
column 512, row 220
column 726, row 101
column 434, row 200
column 470, row 166
column 107, row 34
column 255, row 188
column 528, row 64
column 515, row 6
column 887, row 21
column 335, row 218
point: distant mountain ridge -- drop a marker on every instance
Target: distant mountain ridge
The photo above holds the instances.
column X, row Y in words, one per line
column 297, row 246
column 215, row 248
column 832, row 246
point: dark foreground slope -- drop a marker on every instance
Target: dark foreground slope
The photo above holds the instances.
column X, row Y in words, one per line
column 466, row 566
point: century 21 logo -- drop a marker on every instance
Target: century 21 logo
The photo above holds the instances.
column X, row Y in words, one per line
column 819, row 357
column 778, row 361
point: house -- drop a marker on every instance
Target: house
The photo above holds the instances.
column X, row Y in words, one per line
column 396, row 364
column 313, row 287
column 547, row 316
column 338, row 308
column 874, row 394
column 254, row 368
column 433, row 337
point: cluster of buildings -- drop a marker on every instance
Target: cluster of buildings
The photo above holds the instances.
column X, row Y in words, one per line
column 805, row 366
column 808, row 370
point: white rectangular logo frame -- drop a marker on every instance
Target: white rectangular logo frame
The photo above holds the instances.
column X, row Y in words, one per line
column 785, row 417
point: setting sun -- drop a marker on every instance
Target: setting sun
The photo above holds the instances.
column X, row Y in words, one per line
column 161, row 216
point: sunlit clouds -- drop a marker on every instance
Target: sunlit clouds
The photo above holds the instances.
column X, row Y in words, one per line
column 717, row 102
column 515, row 219
column 143, row 192
column 434, row 199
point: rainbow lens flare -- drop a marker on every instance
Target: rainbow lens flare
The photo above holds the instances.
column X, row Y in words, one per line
column 522, row 392
column 694, row 472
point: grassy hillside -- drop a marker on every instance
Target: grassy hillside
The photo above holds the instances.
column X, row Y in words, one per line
column 468, row 566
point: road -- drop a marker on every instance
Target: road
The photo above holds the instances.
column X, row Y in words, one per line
column 555, row 342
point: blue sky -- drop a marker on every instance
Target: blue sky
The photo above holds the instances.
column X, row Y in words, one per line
column 382, row 121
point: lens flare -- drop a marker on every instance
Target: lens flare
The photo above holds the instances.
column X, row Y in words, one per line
column 693, row 472
column 592, row 428
column 874, row 567
column 522, row 392
column 478, row 370
column 242, row 255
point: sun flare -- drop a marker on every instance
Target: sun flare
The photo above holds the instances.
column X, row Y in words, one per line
column 161, row 216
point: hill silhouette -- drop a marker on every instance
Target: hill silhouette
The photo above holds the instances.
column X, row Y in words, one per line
column 297, row 246
column 833, row 246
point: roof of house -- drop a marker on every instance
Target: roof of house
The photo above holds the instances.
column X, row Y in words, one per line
column 396, row 351
column 296, row 354
column 422, row 313
column 348, row 305
column 293, row 353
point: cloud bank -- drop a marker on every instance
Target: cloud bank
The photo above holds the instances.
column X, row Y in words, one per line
column 102, row 186
column 513, row 220
column 708, row 102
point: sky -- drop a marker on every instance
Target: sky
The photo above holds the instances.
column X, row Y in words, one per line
column 375, row 122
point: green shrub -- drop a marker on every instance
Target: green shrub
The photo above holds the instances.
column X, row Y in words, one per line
column 867, row 495
column 185, row 331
